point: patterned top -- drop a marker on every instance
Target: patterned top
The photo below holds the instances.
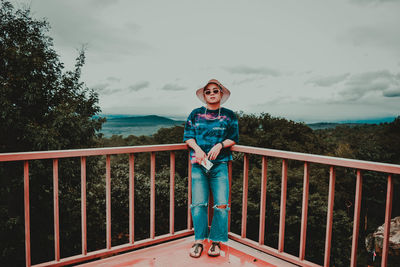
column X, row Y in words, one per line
column 208, row 130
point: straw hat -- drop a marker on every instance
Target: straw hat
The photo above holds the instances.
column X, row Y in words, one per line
column 225, row 92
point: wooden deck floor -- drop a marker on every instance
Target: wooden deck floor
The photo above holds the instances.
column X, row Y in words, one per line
column 176, row 253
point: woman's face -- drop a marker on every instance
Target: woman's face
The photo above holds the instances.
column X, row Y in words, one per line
column 212, row 94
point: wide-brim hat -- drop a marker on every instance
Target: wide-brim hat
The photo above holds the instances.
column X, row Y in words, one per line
column 225, row 92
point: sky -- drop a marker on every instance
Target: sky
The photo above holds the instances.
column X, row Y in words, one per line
column 304, row 60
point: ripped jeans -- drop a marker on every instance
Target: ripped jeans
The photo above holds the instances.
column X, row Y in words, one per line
column 217, row 180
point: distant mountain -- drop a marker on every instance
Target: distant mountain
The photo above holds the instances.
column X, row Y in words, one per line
column 371, row 120
column 136, row 125
column 149, row 120
column 350, row 123
column 330, row 125
column 126, row 125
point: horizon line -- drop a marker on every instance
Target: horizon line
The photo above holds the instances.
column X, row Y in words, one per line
column 370, row 120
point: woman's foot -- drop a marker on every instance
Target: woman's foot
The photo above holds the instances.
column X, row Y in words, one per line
column 196, row 250
column 215, row 249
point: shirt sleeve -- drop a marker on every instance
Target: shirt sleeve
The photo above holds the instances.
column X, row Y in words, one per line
column 233, row 129
column 189, row 131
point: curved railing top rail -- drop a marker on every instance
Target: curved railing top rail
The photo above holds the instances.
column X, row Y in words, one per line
column 333, row 161
column 88, row 152
column 342, row 162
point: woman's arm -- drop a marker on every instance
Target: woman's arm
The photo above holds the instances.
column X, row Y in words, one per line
column 228, row 143
column 199, row 153
column 214, row 152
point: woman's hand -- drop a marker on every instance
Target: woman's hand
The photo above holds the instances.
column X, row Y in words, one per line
column 200, row 155
column 214, row 152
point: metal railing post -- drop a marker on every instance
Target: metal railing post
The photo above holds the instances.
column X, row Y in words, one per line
column 263, row 197
column 283, row 207
column 329, row 219
column 27, row 216
column 245, row 190
column 356, row 220
column 56, row 212
column 303, row 234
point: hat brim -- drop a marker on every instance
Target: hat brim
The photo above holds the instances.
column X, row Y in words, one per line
column 225, row 92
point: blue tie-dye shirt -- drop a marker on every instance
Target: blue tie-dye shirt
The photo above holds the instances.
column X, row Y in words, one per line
column 208, row 130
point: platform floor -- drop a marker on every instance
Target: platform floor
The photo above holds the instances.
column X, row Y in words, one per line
column 176, row 254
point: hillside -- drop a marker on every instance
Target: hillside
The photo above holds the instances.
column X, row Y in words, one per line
column 136, row 125
column 126, row 125
column 330, row 125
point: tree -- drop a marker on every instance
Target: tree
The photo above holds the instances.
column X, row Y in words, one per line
column 42, row 107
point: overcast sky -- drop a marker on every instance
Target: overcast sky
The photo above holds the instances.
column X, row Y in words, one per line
column 303, row 60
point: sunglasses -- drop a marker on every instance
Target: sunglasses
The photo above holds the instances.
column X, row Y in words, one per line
column 215, row 91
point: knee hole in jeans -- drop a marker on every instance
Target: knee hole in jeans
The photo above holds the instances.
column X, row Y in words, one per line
column 199, row 205
column 221, row 207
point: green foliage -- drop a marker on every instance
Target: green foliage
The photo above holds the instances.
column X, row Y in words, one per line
column 277, row 133
column 42, row 107
column 342, row 141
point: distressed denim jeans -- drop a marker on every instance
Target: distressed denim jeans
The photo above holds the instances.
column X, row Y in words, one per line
column 217, row 180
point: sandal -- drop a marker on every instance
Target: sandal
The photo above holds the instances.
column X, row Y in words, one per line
column 197, row 247
column 212, row 251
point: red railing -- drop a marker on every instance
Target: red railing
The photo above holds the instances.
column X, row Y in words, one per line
column 333, row 162
column 83, row 153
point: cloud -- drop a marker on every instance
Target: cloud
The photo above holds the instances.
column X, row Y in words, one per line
column 173, row 87
column 103, row 89
column 392, row 93
column 328, row 80
column 104, row 3
column 108, row 88
column 132, row 26
column 374, row 35
column 89, row 26
column 253, row 70
column 101, row 86
column 113, row 79
column 383, row 81
column 243, row 81
column 367, row 2
column 138, row 86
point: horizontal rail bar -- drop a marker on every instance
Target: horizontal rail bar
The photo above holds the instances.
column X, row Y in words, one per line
column 116, row 249
column 88, row 152
column 272, row 251
column 342, row 162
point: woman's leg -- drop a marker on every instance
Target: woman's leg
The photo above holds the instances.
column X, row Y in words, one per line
column 219, row 183
column 200, row 192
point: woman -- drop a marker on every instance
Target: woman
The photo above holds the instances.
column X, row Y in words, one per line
column 210, row 131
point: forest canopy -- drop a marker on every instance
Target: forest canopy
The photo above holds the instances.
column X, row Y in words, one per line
column 45, row 107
